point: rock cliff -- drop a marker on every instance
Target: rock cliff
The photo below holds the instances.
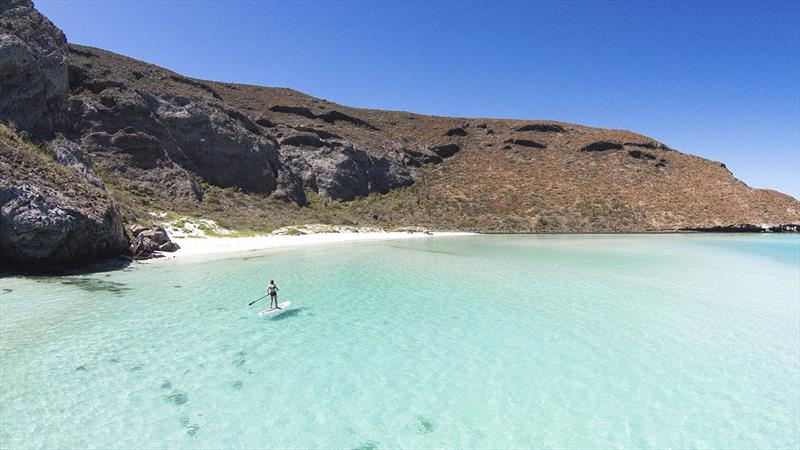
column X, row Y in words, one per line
column 33, row 66
column 51, row 215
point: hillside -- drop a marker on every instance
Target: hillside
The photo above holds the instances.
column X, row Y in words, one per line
column 256, row 158
column 448, row 173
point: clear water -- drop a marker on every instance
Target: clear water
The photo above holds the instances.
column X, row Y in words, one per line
column 474, row 342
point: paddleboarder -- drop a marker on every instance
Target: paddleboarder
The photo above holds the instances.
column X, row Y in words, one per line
column 272, row 290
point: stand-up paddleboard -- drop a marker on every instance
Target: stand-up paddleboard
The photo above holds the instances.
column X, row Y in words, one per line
column 275, row 311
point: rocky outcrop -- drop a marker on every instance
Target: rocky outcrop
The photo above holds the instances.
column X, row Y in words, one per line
column 134, row 128
column 304, row 140
column 525, row 143
column 446, row 151
column 149, row 242
column 69, row 154
column 335, row 116
column 33, row 70
column 458, row 131
column 51, row 215
column 601, row 146
column 638, row 154
column 542, row 128
column 156, row 127
column 297, row 110
column 344, row 172
column 418, row 158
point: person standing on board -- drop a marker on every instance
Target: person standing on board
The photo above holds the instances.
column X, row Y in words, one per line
column 272, row 290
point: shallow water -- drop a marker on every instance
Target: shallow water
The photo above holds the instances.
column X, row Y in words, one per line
column 479, row 342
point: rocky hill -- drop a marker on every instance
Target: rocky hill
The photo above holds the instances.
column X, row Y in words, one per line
column 255, row 158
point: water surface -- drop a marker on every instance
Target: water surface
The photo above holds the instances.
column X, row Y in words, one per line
column 639, row 341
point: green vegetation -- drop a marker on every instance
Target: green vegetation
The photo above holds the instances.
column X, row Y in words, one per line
column 24, row 161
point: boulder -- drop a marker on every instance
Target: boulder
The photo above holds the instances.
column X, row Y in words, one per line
column 148, row 241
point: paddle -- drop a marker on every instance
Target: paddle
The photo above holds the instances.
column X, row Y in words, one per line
column 251, row 303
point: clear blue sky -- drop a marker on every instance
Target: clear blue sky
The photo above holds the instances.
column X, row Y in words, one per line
column 718, row 79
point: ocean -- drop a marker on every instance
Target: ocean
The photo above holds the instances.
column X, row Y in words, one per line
column 588, row 341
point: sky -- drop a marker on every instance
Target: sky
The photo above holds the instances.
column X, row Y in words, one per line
column 716, row 79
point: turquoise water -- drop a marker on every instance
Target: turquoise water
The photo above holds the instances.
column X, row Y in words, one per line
column 642, row 341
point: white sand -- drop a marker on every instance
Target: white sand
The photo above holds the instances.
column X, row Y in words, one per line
column 207, row 246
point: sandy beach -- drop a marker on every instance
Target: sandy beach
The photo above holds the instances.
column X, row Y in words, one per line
column 208, row 246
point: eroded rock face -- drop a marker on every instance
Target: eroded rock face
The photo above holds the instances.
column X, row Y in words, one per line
column 33, row 70
column 69, row 154
column 345, row 172
column 141, row 130
column 39, row 229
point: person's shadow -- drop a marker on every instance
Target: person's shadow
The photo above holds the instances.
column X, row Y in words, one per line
column 290, row 313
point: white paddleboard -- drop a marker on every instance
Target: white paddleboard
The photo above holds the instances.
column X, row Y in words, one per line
column 275, row 311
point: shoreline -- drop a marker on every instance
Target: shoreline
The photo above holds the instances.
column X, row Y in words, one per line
column 218, row 246
column 192, row 246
